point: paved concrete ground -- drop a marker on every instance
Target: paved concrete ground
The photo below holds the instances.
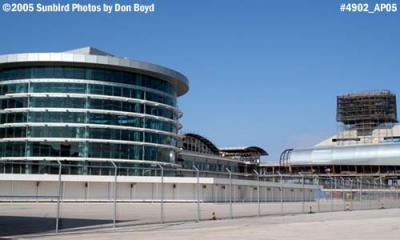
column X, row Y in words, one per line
column 39, row 218
column 366, row 225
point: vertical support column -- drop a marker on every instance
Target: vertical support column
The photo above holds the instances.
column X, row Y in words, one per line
column 258, row 192
column 83, row 169
column 115, row 195
column 59, row 195
column 28, row 145
column 144, row 125
column 230, row 192
column 198, row 192
column 162, row 194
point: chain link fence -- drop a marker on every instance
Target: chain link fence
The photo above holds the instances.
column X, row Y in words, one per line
column 115, row 196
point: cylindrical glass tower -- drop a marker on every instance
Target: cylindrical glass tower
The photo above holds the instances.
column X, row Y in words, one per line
column 86, row 105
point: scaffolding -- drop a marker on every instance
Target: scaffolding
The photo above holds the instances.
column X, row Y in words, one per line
column 359, row 114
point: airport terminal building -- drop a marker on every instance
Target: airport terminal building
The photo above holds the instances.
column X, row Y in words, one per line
column 85, row 106
column 78, row 120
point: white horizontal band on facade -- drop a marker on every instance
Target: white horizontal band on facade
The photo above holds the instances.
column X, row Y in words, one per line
column 102, row 126
column 82, row 159
column 86, row 81
column 89, row 140
column 84, row 110
column 91, row 96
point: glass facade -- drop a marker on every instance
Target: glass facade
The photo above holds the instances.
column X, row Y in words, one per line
column 89, row 118
column 93, row 89
column 86, row 113
column 99, row 74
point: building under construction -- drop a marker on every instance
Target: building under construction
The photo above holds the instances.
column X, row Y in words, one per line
column 367, row 142
column 364, row 112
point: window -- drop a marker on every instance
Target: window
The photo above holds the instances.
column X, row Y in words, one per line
column 87, row 73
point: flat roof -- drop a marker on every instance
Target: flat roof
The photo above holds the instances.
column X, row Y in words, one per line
column 90, row 56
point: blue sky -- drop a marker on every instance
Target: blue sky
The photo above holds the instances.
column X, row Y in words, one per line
column 261, row 72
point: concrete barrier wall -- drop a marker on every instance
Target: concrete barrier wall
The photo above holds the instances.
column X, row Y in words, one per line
column 101, row 188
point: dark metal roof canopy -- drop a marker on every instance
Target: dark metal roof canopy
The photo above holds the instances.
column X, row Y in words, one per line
column 252, row 150
column 229, row 152
column 204, row 140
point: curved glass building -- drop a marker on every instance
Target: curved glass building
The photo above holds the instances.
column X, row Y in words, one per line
column 84, row 106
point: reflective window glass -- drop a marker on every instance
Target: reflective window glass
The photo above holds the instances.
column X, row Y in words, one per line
column 87, row 73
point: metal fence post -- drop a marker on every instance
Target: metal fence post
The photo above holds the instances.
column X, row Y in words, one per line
column 351, row 196
column 258, row 192
column 230, row 192
column 376, row 193
column 360, row 192
column 331, row 195
column 115, row 194
column 162, row 194
column 368, row 192
column 281, row 193
column 272, row 191
column 382, row 195
column 343, row 194
column 59, row 195
column 198, row 192
column 398, row 194
column 318, row 196
column 304, row 193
